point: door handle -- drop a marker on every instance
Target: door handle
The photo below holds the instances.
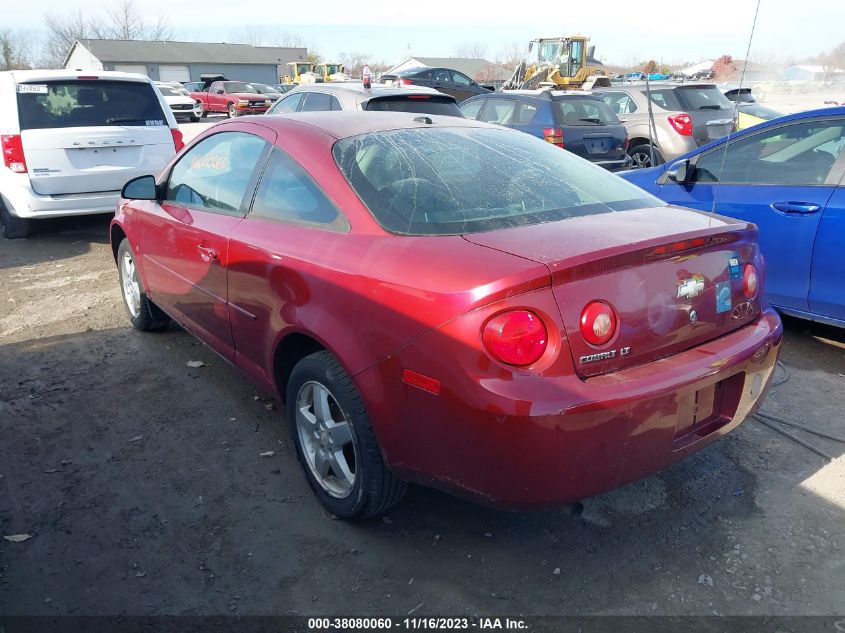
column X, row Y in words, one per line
column 797, row 208
column 207, row 253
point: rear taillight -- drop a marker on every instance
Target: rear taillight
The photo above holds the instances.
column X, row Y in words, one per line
column 598, row 323
column 553, row 135
column 676, row 247
column 682, row 123
column 517, row 337
column 627, row 142
column 406, row 82
column 13, row 156
column 749, row 281
column 178, row 141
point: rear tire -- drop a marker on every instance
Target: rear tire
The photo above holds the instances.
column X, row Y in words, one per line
column 372, row 488
column 143, row 313
column 13, row 227
column 641, row 157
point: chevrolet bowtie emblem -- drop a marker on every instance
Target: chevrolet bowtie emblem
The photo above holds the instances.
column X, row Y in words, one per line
column 690, row 288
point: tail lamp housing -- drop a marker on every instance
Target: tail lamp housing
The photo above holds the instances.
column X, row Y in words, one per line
column 178, row 140
column 13, row 156
column 553, row 135
column 515, row 337
column 682, row 123
column 598, row 323
column 405, row 82
column 750, row 281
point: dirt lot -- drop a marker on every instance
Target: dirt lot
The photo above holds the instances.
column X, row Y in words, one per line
column 141, row 484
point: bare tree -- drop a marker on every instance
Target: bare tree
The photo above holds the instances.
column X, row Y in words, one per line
column 122, row 22
column 15, row 50
column 511, row 55
column 471, row 50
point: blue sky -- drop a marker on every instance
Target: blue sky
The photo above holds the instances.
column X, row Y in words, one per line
column 622, row 30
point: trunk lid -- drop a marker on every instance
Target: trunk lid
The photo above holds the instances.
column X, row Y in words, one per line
column 666, row 300
column 711, row 113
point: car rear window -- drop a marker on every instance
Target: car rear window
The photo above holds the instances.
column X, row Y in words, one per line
column 88, row 103
column 703, row 98
column 423, row 104
column 664, row 98
column 448, row 181
column 586, row 112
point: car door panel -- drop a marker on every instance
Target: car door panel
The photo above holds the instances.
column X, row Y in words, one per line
column 827, row 289
column 185, row 240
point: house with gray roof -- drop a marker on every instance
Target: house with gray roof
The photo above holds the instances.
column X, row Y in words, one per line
column 184, row 61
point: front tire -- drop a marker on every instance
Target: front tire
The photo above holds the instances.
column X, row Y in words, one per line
column 232, row 111
column 13, row 227
column 641, row 156
column 335, row 442
column 143, row 313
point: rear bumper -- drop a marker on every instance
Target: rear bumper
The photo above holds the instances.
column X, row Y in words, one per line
column 21, row 201
column 615, row 165
column 533, row 441
column 244, row 110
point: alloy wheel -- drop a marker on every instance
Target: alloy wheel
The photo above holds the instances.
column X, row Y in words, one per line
column 129, row 282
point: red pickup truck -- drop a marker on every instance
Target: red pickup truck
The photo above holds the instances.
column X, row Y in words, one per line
column 235, row 98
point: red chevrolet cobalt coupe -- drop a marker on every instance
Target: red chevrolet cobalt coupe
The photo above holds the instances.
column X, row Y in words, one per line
column 444, row 301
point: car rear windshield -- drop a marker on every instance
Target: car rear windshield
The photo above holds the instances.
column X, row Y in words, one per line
column 586, row 112
column 239, row 86
column 448, row 181
column 703, row 98
column 423, row 104
column 87, row 103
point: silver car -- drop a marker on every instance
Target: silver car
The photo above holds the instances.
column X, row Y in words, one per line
column 351, row 95
column 686, row 115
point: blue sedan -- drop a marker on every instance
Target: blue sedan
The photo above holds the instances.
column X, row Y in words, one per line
column 787, row 176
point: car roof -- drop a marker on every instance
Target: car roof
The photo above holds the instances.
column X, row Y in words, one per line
column 356, row 122
column 357, row 87
column 543, row 93
column 64, row 74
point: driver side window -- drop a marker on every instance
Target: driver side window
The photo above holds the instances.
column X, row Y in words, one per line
column 214, row 174
column 802, row 153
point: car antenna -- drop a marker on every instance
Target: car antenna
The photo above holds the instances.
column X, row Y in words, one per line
column 736, row 107
column 652, row 129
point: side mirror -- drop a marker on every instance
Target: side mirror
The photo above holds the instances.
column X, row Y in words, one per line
column 220, row 91
column 141, row 188
column 680, row 172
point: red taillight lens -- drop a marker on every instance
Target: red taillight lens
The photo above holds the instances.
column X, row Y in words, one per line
column 598, row 323
column 749, row 281
column 627, row 142
column 682, row 123
column 517, row 337
column 405, row 82
column 13, row 156
column 553, row 135
column 178, row 141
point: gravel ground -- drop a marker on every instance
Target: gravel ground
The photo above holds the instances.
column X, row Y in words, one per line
column 140, row 482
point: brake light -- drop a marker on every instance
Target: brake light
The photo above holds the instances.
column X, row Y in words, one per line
column 406, row 82
column 517, row 337
column 419, row 97
column 676, row 247
column 87, row 77
column 749, row 281
column 553, row 135
column 598, row 323
column 13, row 156
column 178, row 141
column 627, row 142
column 682, row 123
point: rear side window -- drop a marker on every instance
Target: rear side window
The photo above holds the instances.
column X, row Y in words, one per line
column 447, row 181
column 703, row 98
column 61, row 104
column 471, row 109
column 317, row 102
column 498, row 111
column 586, row 112
column 666, row 99
column 216, row 172
column 422, row 104
column 287, row 194
column 526, row 113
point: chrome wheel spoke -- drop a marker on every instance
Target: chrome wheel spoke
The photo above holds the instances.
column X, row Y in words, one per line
column 322, row 463
column 344, row 476
column 321, row 403
column 131, row 288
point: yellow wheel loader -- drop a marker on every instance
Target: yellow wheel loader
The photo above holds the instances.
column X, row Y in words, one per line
column 564, row 62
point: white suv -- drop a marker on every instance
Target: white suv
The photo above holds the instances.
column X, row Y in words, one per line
column 70, row 141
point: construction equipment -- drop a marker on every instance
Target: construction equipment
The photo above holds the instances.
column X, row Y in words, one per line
column 327, row 71
column 565, row 62
column 300, row 73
